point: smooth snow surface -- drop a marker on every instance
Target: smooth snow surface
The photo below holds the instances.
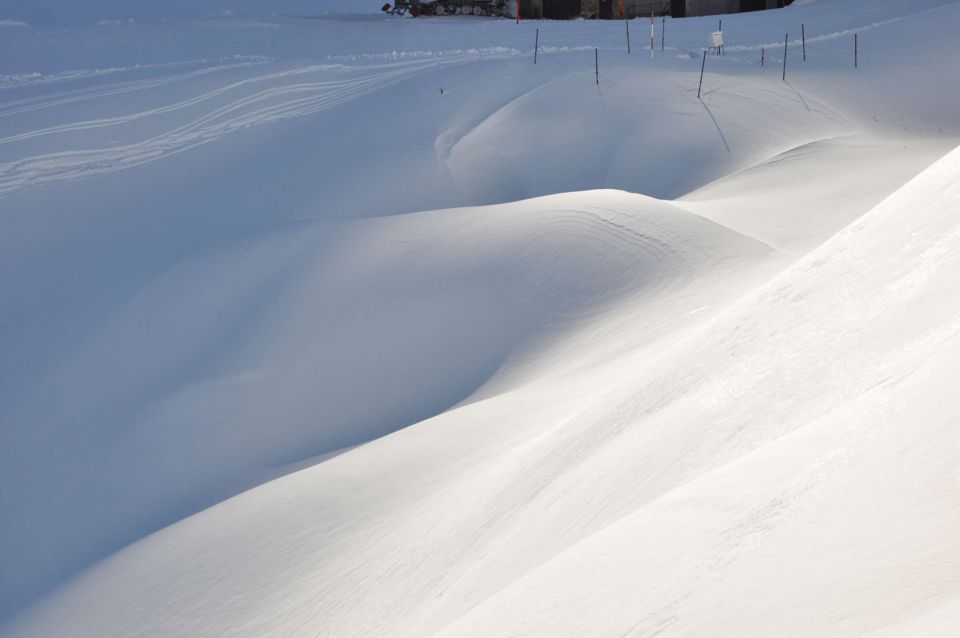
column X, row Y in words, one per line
column 66, row 13
column 365, row 326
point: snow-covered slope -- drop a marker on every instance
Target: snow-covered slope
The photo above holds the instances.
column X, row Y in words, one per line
column 794, row 434
column 829, row 399
column 69, row 13
column 233, row 259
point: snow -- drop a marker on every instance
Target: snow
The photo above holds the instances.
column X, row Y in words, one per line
column 296, row 343
column 70, row 13
column 851, row 479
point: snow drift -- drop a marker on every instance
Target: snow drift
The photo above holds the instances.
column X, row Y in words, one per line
column 297, row 343
column 815, row 414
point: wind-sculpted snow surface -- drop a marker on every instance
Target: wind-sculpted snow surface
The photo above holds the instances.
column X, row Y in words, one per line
column 362, row 326
column 794, row 434
column 299, row 326
column 625, row 135
column 825, row 409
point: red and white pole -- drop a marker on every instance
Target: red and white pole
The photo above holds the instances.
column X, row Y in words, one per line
column 651, row 33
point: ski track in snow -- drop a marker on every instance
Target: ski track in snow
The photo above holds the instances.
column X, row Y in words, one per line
column 665, row 266
column 28, row 105
column 20, row 80
column 286, row 98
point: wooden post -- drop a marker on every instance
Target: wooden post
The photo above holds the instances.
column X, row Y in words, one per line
column 785, row 39
column 518, row 11
column 803, row 38
column 626, row 23
column 703, row 65
column 536, row 45
column 596, row 65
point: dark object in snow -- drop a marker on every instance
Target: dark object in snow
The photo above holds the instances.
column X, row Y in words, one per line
column 451, row 7
column 565, row 9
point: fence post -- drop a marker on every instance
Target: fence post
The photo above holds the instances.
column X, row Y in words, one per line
column 803, row 38
column 703, row 65
column 856, row 51
column 596, row 65
column 763, row 55
column 663, row 34
column 536, row 45
column 785, row 39
column 652, row 34
column 626, row 23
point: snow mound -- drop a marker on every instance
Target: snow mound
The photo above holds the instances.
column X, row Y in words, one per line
column 818, row 456
column 269, row 367
column 298, row 327
column 783, row 442
column 632, row 132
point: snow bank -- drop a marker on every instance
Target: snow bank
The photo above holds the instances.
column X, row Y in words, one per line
column 784, row 442
column 618, row 136
column 229, row 255
column 299, row 327
column 833, row 482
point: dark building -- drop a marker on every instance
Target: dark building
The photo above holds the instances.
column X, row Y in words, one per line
column 689, row 8
column 614, row 9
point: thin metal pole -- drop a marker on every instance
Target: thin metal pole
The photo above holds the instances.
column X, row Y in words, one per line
column 785, row 39
column 856, row 52
column 596, row 65
column 763, row 55
column 803, row 37
column 536, row 46
column 663, row 34
column 703, row 65
column 626, row 23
